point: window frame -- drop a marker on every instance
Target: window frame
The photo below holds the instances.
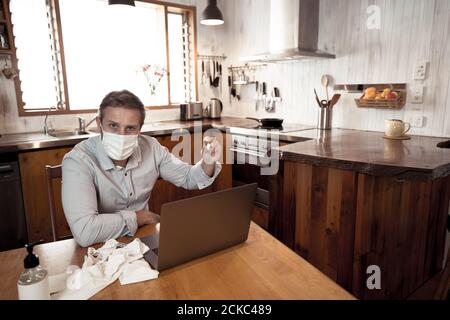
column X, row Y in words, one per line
column 169, row 8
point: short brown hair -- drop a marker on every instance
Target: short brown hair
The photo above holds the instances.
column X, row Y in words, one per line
column 122, row 99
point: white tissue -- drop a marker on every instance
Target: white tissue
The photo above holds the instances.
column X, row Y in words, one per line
column 102, row 267
column 138, row 271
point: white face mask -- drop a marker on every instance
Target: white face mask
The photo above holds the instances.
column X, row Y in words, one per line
column 119, row 147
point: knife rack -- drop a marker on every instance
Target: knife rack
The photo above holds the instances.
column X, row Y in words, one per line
column 246, row 67
column 211, row 57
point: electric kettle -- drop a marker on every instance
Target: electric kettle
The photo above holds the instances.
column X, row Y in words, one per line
column 214, row 109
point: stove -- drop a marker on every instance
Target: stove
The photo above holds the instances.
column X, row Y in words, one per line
column 254, row 160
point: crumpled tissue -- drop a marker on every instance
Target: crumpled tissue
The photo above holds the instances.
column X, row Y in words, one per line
column 101, row 268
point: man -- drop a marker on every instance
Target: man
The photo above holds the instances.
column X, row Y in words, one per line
column 107, row 180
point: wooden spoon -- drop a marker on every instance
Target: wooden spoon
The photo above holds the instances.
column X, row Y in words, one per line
column 334, row 100
column 325, row 83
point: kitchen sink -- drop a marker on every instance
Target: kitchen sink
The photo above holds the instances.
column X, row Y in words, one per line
column 71, row 133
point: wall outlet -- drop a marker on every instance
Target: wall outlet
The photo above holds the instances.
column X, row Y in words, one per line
column 415, row 121
column 416, row 94
column 420, row 70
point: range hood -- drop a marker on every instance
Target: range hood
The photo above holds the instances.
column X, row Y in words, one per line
column 294, row 32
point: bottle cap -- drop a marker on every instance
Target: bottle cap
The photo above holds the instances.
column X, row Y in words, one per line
column 31, row 260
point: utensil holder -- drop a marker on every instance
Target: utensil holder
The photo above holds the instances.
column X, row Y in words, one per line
column 325, row 119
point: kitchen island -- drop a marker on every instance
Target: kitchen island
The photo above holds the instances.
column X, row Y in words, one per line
column 352, row 200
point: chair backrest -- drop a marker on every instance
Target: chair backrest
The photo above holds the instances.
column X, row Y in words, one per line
column 54, row 173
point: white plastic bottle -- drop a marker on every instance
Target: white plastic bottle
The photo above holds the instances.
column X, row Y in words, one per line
column 33, row 282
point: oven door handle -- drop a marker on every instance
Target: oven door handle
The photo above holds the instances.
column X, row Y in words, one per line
column 248, row 152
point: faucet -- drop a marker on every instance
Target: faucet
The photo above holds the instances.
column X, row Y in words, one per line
column 82, row 125
column 47, row 130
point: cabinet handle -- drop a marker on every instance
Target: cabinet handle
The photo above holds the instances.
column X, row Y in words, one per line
column 4, row 169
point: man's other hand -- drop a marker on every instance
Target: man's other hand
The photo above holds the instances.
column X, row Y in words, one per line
column 146, row 217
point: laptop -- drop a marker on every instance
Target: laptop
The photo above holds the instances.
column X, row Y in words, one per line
column 197, row 227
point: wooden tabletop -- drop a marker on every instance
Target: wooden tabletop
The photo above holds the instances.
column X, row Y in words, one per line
column 260, row 269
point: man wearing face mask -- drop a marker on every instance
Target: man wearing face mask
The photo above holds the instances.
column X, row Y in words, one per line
column 107, row 180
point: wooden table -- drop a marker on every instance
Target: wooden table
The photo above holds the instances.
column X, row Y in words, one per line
column 262, row 268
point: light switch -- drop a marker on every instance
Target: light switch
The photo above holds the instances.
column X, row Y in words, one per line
column 416, row 121
column 420, row 70
column 416, row 94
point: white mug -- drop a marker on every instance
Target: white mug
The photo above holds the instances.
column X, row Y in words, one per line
column 396, row 128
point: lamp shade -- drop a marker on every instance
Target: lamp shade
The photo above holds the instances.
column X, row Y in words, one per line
column 123, row 2
column 212, row 16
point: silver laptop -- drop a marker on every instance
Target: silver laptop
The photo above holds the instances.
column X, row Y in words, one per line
column 197, row 227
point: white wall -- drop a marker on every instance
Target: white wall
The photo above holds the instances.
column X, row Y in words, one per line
column 411, row 30
column 208, row 41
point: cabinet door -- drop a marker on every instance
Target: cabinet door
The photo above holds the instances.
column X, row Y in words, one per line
column 34, row 189
column 164, row 191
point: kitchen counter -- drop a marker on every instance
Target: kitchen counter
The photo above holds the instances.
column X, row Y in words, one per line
column 360, row 151
column 369, row 153
column 37, row 141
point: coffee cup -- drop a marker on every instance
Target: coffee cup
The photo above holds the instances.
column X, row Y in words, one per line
column 396, row 128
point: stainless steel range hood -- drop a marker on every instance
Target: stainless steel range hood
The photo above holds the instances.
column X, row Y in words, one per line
column 294, row 32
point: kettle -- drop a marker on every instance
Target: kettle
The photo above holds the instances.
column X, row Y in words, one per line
column 213, row 109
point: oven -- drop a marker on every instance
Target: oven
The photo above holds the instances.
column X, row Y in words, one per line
column 251, row 155
column 256, row 160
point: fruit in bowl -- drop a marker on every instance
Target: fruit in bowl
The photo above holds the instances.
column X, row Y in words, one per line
column 370, row 93
column 391, row 96
column 373, row 94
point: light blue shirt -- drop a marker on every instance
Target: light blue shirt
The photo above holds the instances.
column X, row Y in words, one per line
column 100, row 200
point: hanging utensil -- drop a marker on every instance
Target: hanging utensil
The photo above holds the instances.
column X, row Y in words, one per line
column 220, row 78
column 276, row 92
column 203, row 72
column 264, row 94
column 230, row 86
column 216, row 81
column 208, row 72
column 213, row 72
column 233, row 87
column 257, row 96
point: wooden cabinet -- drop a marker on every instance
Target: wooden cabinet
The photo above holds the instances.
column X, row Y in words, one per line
column 260, row 216
column 344, row 222
column 34, row 189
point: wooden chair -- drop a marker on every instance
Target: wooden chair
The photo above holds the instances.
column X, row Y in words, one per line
column 54, row 173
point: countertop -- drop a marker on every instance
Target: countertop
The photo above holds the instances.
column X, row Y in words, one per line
column 370, row 153
column 361, row 151
column 262, row 268
column 36, row 141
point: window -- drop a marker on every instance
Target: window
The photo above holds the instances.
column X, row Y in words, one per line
column 70, row 54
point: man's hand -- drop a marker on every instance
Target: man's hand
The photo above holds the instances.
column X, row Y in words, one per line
column 146, row 217
column 211, row 153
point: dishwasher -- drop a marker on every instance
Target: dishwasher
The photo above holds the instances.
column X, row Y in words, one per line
column 13, row 229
